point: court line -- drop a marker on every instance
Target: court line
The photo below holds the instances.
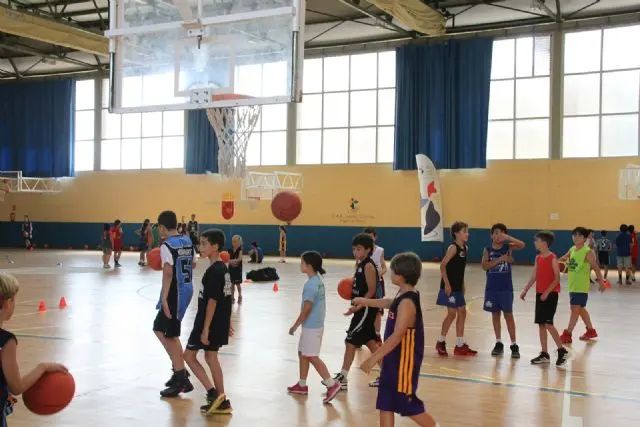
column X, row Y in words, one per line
column 43, row 337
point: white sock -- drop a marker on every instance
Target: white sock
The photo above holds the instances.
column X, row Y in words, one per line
column 459, row 341
column 513, row 342
column 498, row 340
column 302, row 383
column 329, row 382
column 344, row 373
column 441, row 339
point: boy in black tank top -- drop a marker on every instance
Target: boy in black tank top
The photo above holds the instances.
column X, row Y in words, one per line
column 451, row 293
column 362, row 330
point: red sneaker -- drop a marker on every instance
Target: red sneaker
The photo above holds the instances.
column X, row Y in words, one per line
column 566, row 337
column 441, row 348
column 298, row 389
column 331, row 392
column 464, row 350
column 589, row 335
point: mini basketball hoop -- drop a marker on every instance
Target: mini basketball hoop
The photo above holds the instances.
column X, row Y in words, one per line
column 233, row 126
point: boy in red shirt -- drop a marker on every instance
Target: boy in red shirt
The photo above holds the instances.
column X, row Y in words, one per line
column 634, row 252
column 116, row 234
column 546, row 276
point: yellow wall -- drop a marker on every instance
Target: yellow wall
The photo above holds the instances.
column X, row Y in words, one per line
column 521, row 193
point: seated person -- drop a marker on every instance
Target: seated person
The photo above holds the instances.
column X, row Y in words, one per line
column 255, row 253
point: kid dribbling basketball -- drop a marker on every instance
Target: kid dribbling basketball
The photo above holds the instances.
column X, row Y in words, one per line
column 403, row 348
column 451, row 293
column 362, row 329
column 235, row 267
column 10, row 378
column 311, row 318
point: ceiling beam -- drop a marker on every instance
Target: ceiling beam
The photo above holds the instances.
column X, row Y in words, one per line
column 33, row 27
column 50, row 4
column 84, row 12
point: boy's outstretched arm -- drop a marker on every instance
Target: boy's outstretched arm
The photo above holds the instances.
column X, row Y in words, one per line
column 375, row 302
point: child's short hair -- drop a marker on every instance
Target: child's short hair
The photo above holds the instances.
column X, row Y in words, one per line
column 215, row 237
column 623, row 228
column 364, row 240
column 8, row 287
column 631, row 228
column 499, row 226
column 370, row 230
column 314, row 259
column 254, row 244
column 603, row 233
column 407, row 265
column 238, row 238
column 107, row 227
column 457, row 227
column 546, row 236
column 283, row 228
column 580, row 231
column 116, row 222
column 168, row 219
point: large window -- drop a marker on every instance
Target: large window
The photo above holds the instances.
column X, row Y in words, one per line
column 519, row 105
column 601, row 93
column 84, row 122
column 140, row 140
column 347, row 113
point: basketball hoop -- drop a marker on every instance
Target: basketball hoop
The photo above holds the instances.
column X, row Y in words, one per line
column 233, row 127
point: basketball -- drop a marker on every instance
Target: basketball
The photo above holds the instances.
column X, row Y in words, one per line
column 563, row 267
column 286, row 206
column 344, row 288
column 50, row 394
column 224, row 256
column 154, row 260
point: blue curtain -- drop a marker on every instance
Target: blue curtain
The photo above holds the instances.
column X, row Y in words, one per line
column 37, row 127
column 201, row 144
column 442, row 103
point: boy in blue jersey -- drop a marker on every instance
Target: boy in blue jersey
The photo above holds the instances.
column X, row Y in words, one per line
column 178, row 259
column 498, row 295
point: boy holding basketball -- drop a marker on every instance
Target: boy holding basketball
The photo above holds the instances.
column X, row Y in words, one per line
column 451, row 293
column 10, row 378
column 580, row 261
column 498, row 295
column 362, row 329
column 212, row 325
column 546, row 276
column 403, row 349
column 178, row 259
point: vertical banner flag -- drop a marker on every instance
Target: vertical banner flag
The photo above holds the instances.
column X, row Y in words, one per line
column 227, row 206
column 430, row 200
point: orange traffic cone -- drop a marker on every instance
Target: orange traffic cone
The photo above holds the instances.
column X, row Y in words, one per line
column 275, row 287
column 42, row 307
column 62, row 304
column 247, row 281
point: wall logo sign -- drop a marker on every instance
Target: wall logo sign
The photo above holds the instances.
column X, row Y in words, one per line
column 354, row 214
column 227, row 206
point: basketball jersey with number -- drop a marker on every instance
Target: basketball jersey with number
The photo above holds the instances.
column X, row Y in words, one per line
column 499, row 277
column 181, row 287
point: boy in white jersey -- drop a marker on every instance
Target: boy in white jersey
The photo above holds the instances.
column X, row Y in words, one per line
column 377, row 256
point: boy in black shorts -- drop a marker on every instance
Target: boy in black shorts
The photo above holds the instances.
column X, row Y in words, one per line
column 212, row 325
column 546, row 276
column 362, row 330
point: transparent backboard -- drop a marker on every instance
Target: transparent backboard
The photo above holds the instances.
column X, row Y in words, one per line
column 181, row 54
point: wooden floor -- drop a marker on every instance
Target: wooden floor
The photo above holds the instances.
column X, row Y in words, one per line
column 105, row 339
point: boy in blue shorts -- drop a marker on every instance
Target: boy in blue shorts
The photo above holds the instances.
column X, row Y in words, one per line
column 451, row 293
column 498, row 294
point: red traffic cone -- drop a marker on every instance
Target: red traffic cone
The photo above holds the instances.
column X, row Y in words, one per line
column 275, row 287
column 62, row 304
column 42, row 307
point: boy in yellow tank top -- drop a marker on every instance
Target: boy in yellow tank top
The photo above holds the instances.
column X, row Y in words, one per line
column 580, row 261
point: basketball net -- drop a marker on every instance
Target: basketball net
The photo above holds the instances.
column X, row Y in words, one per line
column 233, row 127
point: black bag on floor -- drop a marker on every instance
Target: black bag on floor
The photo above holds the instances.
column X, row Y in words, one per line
column 267, row 274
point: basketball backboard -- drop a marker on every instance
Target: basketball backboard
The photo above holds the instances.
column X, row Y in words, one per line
column 179, row 54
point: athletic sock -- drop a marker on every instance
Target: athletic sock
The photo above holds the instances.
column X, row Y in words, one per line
column 329, row 382
column 459, row 341
column 302, row 383
column 441, row 339
column 344, row 373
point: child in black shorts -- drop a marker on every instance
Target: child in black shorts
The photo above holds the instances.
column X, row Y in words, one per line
column 212, row 325
column 235, row 267
column 546, row 276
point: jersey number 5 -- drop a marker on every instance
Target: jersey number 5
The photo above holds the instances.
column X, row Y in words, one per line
column 185, row 269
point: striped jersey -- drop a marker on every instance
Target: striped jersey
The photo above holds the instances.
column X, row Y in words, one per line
column 400, row 368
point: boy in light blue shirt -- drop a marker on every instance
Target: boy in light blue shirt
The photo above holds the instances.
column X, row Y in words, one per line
column 311, row 318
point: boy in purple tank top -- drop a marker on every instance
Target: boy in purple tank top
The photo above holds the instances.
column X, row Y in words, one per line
column 403, row 348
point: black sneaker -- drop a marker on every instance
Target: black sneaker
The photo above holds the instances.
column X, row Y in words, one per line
column 498, row 350
column 214, row 401
column 116, row 264
column 515, row 351
column 173, row 377
column 341, row 379
column 224, row 408
column 542, row 359
column 179, row 384
column 563, row 357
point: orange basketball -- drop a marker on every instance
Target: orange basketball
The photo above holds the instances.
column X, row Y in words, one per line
column 344, row 288
column 50, row 394
column 563, row 267
column 286, row 206
column 153, row 257
column 224, row 256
